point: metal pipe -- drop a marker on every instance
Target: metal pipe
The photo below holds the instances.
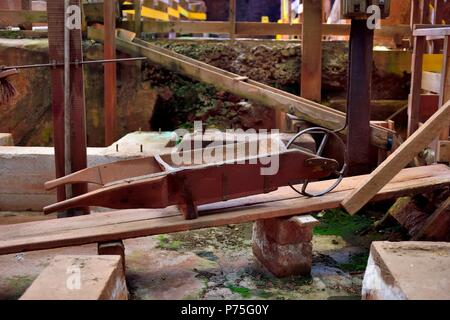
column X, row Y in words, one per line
column 60, row 64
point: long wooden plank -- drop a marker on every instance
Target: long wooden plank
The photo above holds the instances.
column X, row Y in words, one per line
column 112, row 226
column 397, row 160
column 257, row 28
column 257, row 92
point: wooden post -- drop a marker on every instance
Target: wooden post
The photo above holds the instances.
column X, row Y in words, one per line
column 311, row 69
column 56, row 22
column 416, row 84
column 26, row 5
column 444, row 95
column 232, row 19
column 137, row 17
column 110, row 94
column 358, row 97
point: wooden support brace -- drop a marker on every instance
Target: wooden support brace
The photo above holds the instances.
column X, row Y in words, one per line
column 397, row 160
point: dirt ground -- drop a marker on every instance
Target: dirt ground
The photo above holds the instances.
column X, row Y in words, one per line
column 216, row 263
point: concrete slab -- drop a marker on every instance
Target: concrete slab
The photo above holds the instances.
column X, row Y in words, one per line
column 408, row 271
column 80, row 278
column 6, row 139
column 24, row 170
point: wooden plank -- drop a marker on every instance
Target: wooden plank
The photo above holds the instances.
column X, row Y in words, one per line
column 443, row 152
column 416, row 84
column 260, row 93
column 311, row 67
column 118, row 225
column 397, row 160
column 431, row 81
column 110, row 74
column 441, row 30
column 257, row 28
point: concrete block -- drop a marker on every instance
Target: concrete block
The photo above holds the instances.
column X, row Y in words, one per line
column 80, row 278
column 283, row 245
column 6, row 139
column 24, row 170
column 408, row 271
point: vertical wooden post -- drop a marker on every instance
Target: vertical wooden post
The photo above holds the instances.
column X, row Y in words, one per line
column 232, row 19
column 56, row 22
column 26, row 5
column 444, row 95
column 110, row 94
column 416, row 84
column 358, row 101
column 137, row 17
column 311, row 69
column 55, row 10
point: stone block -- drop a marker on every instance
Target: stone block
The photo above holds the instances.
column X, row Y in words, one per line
column 407, row 271
column 283, row 245
column 80, row 278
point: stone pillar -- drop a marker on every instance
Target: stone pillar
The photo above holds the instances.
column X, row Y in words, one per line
column 283, row 245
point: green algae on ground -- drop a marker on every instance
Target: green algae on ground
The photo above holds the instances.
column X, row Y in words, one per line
column 164, row 242
column 337, row 222
column 19, row 285
column 356, row 263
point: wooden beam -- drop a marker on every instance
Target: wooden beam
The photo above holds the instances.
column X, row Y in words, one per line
column 397, row 160
column 444, row 92
column 441, row 31
column 253, row 90
column 416, row 84
column 125, row 224
column 256, row 28
column 311, row 67
column 110, row 74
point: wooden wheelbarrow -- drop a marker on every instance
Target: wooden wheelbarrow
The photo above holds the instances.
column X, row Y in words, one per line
column 159, row 181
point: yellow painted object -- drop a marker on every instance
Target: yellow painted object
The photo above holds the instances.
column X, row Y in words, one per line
column 173, row 12
column 150, row 13
column 265, row 19
column 432, row 62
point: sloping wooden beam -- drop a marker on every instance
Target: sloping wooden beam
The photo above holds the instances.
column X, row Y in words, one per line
column 397, row 160
column 253, row 90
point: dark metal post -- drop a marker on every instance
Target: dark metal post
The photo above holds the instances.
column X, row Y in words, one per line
column 359, row 89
